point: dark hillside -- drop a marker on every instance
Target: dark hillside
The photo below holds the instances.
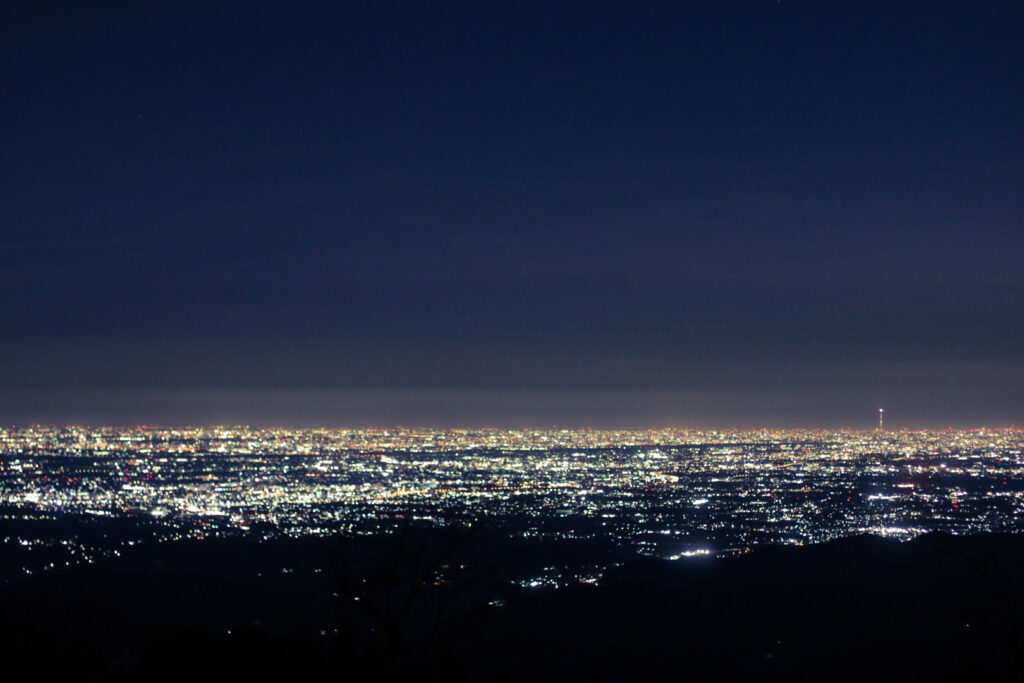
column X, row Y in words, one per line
column 860, row 609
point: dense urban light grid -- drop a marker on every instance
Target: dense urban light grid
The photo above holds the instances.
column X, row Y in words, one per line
column 669, row 493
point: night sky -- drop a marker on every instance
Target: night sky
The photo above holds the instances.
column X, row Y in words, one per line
column 608, row 214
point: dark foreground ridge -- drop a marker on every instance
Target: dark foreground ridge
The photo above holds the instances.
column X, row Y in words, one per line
column 860, row 609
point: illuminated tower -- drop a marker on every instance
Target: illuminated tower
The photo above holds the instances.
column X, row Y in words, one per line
column 881, row 413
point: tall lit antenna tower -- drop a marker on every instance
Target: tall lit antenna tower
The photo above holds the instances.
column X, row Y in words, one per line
column 881, row 414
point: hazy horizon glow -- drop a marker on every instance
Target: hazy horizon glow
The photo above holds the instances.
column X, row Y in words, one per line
column 469, row 409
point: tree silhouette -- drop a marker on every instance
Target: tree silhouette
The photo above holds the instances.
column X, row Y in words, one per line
column 405, row 602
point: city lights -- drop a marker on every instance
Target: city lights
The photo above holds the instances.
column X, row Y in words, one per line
column 673, row 494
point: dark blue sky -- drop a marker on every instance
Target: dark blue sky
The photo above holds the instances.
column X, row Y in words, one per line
column 753, row 213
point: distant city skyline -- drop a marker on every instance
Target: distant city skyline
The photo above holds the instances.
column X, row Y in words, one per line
column 667, row 493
